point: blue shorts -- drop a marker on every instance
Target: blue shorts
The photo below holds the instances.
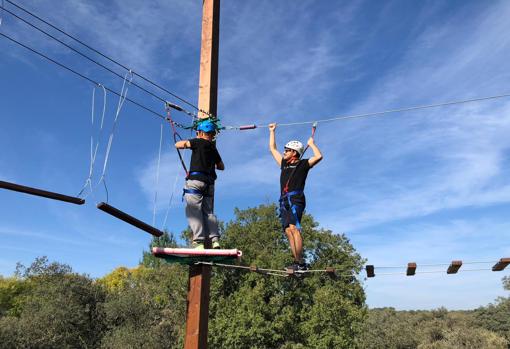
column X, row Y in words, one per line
column 288, row 217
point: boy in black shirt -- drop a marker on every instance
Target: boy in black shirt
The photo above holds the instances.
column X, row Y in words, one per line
column 199, row 187
column 292, row 185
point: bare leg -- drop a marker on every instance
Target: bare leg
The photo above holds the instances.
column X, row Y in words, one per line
column 298, row 243
column 292, row 243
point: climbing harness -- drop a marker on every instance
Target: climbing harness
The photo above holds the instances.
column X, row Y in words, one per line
column 287, row 198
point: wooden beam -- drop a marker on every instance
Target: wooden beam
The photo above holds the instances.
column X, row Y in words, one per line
column 501, row 265
column 454, row 267
column 370, row 271
column 209, row 56
column 115, row 212
column 197, row 313
column 41, row 193
column 411, row 269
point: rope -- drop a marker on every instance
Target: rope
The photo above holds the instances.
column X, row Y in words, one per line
column 373, row 114
column 177, row 137
column 157, row 178
column 94, row 146
column 122, row 99
column 102, row 55
column 170, row 200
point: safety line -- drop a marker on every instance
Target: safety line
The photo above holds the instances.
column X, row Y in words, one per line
column 94, row 146
column 325, row 271
column 122, row 98
column 374, row 114
column 91, row 59
column 157, row 177
column 107, row 57
column 85, row 77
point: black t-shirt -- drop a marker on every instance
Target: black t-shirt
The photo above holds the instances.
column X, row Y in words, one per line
column 204, row 158
column 299, row 172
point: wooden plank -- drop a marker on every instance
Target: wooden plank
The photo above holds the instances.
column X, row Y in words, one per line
column 42, row 193
column 411, row 269
column 197, row 313
column 115, row 212
column 454, row 267
column 501, row 265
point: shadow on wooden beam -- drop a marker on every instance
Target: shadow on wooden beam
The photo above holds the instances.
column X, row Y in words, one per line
column 103, row 206
column 41, row 193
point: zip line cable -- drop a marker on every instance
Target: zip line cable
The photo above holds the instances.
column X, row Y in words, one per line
column 245, row 127
column 86, row 78
column 107, row 57
column 374, row 114
column 90, row 59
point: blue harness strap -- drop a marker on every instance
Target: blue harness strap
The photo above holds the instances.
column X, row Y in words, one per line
column 196, row 173
column 288, row 196
column 193, row 192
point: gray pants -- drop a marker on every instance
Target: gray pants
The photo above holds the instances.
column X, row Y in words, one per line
column 199, row 211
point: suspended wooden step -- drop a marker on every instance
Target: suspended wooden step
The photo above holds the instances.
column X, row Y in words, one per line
column 103, row 206
column 501, row 265
column 41, row 193
column 370, row 271
column 454, row 267
column 192, row 256
column 411, row 269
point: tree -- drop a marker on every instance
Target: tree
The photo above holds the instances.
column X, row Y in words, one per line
column 57, row 309
column 165, row 240
column 145, row 307
column 253, row 311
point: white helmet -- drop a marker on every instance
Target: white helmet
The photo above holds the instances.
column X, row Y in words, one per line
column 295, row 145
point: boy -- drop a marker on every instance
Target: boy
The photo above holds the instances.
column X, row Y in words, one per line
column 294, row 171
column 199, row 187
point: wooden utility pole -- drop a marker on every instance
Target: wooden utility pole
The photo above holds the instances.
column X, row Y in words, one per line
column 197, row 313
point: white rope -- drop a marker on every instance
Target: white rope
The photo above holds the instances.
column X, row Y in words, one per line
column 157, row 178
column 122, row 98
column 373, row 114
column 177, row 176
column 94, row 146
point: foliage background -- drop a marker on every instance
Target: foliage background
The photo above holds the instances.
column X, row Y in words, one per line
column 47, row 305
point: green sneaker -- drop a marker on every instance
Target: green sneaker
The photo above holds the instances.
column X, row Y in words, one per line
column 198, row 245
column 216, row 245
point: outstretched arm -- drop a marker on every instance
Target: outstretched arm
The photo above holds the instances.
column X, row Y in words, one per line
column 183, row 144
column 317, row 156
column 272, row 144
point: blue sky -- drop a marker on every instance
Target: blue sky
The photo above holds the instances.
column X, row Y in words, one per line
column 425, row 186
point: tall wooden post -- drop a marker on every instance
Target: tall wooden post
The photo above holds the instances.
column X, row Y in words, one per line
column 197, row 316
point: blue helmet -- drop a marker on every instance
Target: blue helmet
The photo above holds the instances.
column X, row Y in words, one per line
column 206, row 126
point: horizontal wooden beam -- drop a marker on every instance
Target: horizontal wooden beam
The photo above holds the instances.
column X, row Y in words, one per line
column 454, row 267
column 501, row 265
column 41, row 193
column 370, row 271
column 103, row 206
column 411, row 269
